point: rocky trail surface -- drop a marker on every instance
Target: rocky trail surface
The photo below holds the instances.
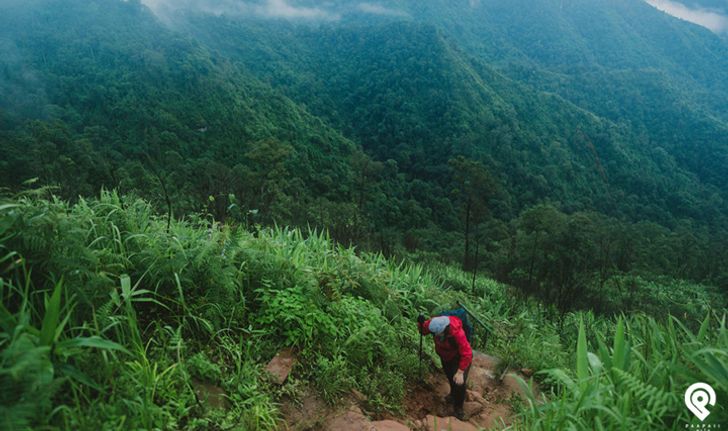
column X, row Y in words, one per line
column 488, row 404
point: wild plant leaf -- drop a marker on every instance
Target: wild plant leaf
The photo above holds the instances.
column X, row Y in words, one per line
column 93, row 342
column 50, row 319
column 72, row 372
column 707, row 360
column 619, row 360
column 560, row 376
column 604, row 355
column 125, row 286
column 582, row 370
column 595, row 363
column 704, row 326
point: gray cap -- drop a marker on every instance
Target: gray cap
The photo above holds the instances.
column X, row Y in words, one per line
column 438, row 324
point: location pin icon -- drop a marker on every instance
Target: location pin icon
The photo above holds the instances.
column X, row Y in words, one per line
column 697, row 398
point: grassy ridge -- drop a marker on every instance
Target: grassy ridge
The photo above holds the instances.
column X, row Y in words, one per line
column 108, row 319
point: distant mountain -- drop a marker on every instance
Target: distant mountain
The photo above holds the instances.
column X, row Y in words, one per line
column 621, row 59
column 406, row 91
column 710, row 5
column 127, row 103
column 355, row 117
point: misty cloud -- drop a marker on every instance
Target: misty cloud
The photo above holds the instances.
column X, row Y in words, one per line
column 267, row 8
column 378, row 9
column 711, row 20
column 281, row 9
column 21, row 87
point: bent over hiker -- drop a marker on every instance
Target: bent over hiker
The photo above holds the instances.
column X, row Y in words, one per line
column 455, row 352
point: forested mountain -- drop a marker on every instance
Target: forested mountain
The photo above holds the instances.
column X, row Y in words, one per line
column 124, row 102
column 407, row 93
column 190, row 188
column 405, row 127
column 623, row 60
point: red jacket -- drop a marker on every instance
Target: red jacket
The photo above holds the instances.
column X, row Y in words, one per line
column 454, row 343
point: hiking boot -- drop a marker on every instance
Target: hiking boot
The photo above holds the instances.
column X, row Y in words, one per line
column 460, row 414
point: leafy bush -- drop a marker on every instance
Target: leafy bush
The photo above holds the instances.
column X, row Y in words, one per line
column 107, row 316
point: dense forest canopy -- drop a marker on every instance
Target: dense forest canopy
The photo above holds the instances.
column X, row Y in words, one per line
column 352, row 124
column 189, row 187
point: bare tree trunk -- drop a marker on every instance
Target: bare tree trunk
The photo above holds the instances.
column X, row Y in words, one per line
column 475, row 266
column 467, row 235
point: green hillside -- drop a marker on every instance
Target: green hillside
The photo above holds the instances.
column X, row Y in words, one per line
column 185, row 195
column 376, row 131
column 133, row 106
column 406, row 93
column 110, row 319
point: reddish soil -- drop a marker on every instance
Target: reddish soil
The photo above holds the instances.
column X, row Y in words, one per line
column 487, row 406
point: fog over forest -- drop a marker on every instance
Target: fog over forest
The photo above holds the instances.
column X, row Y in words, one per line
column 238, row 215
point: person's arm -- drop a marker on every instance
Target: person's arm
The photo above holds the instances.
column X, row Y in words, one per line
column 466, row 352
column 423, row 325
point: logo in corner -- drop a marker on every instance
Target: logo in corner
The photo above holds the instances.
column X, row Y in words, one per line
column 697, row 397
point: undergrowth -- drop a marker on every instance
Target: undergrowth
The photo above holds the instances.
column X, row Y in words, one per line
column 109, row 319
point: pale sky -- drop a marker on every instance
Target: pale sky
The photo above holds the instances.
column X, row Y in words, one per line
column 710, row 19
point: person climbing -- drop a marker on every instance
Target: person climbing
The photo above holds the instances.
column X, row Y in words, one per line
column 455, row 353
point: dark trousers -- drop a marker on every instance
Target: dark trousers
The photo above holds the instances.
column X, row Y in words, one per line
column 456, row 391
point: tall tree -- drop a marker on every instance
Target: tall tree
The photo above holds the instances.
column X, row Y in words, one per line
column 473, row 187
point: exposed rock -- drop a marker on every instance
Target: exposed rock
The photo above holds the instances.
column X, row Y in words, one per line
column 493, row 415
column 351, row 420
column 485, row 361
column 479, row 379
column 210, row 395
column 440, row 385
column 358, row 396
column 434, row 423
column 472, row 408
column 486, row 405
column 388, row 425
column 281, row 365
column 512, row 385
column 475, row 397
column 308, row 412
column 354, row 420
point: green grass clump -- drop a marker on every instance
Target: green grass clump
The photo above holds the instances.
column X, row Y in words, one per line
column 109, row 319
column 634, row 377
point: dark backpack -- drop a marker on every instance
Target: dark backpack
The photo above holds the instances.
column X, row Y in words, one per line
column 461, row 314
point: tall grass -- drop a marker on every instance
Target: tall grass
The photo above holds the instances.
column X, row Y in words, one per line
column 109, row 319
column 635, row 377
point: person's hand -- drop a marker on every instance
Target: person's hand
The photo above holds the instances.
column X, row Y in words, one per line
column 459, row 377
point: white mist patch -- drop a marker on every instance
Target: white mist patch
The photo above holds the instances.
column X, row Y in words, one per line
column 709, row 19
column 378, row 9
column 267, row 8
column 282, row 9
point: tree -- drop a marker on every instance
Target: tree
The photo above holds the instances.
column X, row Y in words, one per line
column 473, row 187
column 268, row 175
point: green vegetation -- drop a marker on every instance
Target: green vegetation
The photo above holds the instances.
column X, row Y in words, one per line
column 109, row 318
column 183, row 199
column 364, row 130
column 636, row 377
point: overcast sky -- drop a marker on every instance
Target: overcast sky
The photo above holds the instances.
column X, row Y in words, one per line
column 289, row 9
column 711, row 19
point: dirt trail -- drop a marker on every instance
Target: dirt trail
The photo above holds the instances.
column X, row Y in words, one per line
column 488, row 404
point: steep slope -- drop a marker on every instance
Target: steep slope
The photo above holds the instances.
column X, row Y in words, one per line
column 620, row 59
column 127, row 103
column 624, row 60
column 145, row 314
column 407, row 93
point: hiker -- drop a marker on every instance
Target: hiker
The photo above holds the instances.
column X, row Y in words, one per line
column 455, row 352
